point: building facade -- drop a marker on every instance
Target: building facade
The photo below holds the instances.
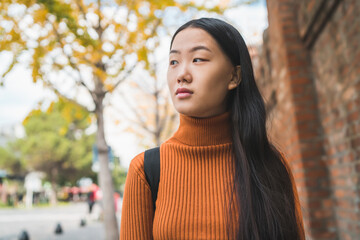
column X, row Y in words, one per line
column 309, row 73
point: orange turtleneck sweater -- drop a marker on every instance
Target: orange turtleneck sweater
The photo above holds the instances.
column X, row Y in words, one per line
column 193, row 197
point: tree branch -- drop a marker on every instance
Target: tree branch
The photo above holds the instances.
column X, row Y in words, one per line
column 98, row 28
column 140, row 122
column 11, row 66
column 122, row 79
column 49, row 85
column 112, row 17
column 81, row 8
column 133, row 121
column 72, row 64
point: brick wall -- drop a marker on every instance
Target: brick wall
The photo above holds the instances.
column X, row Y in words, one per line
column 309, row 74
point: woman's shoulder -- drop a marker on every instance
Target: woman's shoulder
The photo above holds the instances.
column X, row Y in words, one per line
column 137, row 164
column 136, row 174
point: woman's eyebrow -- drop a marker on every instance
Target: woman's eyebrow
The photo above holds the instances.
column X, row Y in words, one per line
column 197, row 48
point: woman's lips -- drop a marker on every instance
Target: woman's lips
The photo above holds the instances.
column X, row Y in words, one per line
column 183, row 93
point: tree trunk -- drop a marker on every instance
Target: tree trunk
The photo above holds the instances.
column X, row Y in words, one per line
column 106, row 184
column 53, row 198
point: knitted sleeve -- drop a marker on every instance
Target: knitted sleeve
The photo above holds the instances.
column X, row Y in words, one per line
column 137, row 210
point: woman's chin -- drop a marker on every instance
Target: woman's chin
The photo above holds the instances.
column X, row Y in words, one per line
column 186, row 111
column 192, row 113
column 197, row 113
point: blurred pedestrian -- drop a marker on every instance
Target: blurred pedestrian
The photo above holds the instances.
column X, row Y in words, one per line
column 220, row 177
column 91, row 197
column 91, row 200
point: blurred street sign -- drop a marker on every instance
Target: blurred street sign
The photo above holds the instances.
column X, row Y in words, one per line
column 3, row 173
column 95, row 163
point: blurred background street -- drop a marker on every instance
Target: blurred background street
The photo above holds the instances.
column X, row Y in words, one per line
column 40, row 223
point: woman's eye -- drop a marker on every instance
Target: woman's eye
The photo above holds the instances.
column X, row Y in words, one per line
column 173, row 62
column 198, row 60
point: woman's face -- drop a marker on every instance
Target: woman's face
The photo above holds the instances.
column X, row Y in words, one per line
column 200, row 75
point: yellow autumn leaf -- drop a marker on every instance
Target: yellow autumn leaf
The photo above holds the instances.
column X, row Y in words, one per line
column 66, row 113
column 100, row 74
column 109, row 87
column 89, row 120
column 142, row 54
column 79, row 115
column 62, row 131
column 50, row 108
column 40, row 15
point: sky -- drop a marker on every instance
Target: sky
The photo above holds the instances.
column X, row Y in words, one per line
column 20, row 95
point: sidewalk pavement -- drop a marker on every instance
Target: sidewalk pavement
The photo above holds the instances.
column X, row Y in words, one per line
column 40, row 223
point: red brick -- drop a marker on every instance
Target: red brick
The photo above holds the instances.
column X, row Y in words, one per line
column 317, row 173
column 355, row 143
column 317, row 116
column 300, row 81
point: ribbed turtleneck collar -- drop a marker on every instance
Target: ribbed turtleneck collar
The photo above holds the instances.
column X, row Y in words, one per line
column 204, row 131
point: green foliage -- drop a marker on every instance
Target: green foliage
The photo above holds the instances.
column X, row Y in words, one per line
column 10, row 162
column 56, row 142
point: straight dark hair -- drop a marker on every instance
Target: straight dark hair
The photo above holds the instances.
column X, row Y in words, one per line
column 265, row 190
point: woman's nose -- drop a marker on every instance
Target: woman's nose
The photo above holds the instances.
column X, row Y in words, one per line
column 184, row 75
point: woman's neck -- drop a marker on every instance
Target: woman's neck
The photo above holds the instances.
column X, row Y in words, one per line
column 204, row 131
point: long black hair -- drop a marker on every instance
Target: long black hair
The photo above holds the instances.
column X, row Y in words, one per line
column 264, row 186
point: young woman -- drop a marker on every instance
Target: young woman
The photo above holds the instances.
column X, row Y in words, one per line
column 220, row 176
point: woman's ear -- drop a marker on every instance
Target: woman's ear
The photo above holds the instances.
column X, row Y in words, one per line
column 236, row 78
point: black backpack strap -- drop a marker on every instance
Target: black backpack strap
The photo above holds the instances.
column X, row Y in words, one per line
column 152, row 171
